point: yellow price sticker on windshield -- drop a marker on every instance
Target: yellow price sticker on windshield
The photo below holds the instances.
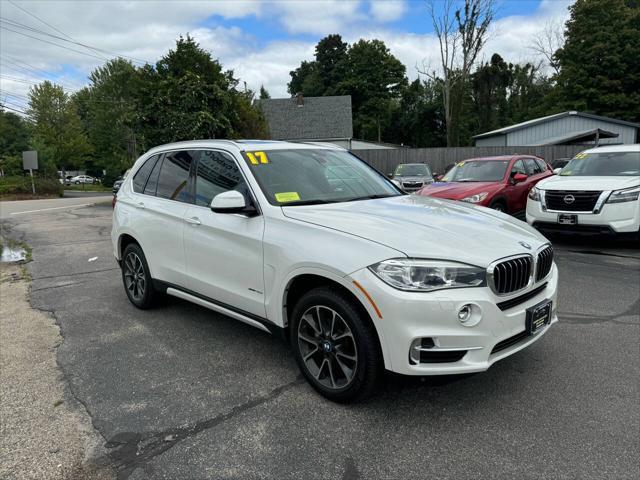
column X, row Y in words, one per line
column 287, row 197
column 580, row 156
column 461, row 164
column 257, row 158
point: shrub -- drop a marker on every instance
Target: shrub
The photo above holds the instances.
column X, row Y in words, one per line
column 21, row 185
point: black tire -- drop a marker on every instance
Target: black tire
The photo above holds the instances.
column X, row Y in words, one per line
column 499, row 205
column 360, row 342
column 143, row 295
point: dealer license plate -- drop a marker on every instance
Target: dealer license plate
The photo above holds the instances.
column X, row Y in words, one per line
column 567, row 219
column 538, row 316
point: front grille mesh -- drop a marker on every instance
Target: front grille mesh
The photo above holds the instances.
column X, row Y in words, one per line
column 571, row 200
column 512, row 275
column 544, row 263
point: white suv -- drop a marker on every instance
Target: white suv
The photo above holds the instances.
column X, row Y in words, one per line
column 595, row 193
column 311, row 242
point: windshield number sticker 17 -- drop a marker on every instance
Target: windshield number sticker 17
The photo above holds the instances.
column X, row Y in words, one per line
column 257, row 157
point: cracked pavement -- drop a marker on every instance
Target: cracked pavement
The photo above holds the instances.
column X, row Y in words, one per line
column 183, row 392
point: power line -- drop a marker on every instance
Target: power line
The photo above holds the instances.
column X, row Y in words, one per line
column 32, row 74
column 44, row 22
column 51, row 43
column 15, row 24
column 14, row 109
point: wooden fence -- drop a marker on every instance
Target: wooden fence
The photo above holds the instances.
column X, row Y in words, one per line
column 438, row 158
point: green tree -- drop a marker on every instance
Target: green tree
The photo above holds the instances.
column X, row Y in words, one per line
column 56, row 129
column 600, row 60
column 418, row 119
column 108, row 108
column 264, row 94
column 14, row 139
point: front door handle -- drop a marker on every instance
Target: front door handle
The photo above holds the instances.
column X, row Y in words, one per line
column 139, row 205
column 193, row 221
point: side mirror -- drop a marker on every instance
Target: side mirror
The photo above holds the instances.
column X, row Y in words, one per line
column 390, row 175
column 556, row 171
column 229, row 202
column 519, row 177
column 439, row 178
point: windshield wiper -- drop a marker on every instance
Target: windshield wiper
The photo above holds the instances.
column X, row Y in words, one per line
column 308, row 202
column 371, row 197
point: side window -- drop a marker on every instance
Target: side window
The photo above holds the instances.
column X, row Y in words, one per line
column 532, row 166
column 173, row 181
column 518, row 167
column 152, row 183
column 217, row 172
column 542, row 164
column 141, row 176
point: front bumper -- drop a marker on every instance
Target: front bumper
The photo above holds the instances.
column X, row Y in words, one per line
column 613, row 218
column 407, row 316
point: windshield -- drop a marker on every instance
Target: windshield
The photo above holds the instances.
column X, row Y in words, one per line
column 477, row 171
column 412, row 170
column 305, row 176
column 625, row 164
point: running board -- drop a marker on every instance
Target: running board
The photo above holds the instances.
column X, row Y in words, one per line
column 217, row 308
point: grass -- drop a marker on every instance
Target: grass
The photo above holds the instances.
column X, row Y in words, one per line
column 88, row 188
column 20, row 186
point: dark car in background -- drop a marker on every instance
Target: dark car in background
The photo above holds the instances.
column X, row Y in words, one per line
column 501, row 183
column 411, row 177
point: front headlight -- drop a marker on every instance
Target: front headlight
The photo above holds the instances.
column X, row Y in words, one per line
column 534, row 194
column 477, row 198
column 418, row 275
column 626, row 195
column 396, row 183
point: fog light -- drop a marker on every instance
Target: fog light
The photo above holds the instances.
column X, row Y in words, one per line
column 464, row 313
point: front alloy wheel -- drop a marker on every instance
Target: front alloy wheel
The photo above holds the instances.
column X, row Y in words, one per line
column 335, row 344
column 327, row 347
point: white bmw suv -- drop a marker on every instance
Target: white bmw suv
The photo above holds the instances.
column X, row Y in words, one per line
column 597, row 192
column 311, row 242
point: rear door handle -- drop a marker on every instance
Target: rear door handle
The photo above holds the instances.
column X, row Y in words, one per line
column 193, row 220
column 139, row 205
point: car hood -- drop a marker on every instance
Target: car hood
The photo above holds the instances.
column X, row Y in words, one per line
column 559, row 182
column 425, row 227
column 458, row 190
column 413, row 178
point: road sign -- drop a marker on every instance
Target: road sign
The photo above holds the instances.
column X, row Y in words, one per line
column 30, row 160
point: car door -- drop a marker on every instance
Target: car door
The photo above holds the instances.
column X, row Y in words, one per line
column 165, row 197
column 517, row 197
column 224, row 251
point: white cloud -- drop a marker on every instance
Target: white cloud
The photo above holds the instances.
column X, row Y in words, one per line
column 319, row 17
column 387, row 10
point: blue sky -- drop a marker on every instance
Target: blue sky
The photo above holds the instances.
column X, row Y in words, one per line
column 260, row 40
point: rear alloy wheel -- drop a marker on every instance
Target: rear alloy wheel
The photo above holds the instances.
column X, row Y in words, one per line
column 335, row 345
column 136, row 278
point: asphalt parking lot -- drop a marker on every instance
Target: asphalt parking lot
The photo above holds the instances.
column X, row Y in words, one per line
column 183, row 392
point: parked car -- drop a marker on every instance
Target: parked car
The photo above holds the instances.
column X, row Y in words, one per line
column 118, row 182
column 558, row 164
column 501, row 183
column 595, row 193
column 411, row 177
column 83, row 179
column 356, row 275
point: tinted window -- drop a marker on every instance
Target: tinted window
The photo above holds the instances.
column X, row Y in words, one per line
column 542, row 164
column 152, row 183
column 140, row 178
column 532, row 166
column 518, row 167
column 173, row 182
column 217, row 172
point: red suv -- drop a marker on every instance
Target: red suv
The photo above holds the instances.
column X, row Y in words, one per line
column 501, row 183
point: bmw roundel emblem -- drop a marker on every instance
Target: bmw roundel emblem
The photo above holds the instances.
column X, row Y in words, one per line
column 525, row 245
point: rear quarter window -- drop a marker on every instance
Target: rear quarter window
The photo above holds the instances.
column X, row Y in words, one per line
column 141, row 176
